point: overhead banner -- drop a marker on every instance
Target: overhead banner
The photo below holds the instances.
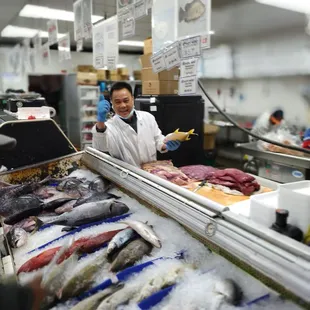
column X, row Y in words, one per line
column 64, row 51
column 45, row 54
column 98, row 45
column 78, row 20
column 52, row 29
column 87, row 11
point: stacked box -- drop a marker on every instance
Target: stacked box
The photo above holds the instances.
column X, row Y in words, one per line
column 86, row 75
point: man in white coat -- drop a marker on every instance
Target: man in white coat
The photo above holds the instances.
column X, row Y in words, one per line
column 131, row 136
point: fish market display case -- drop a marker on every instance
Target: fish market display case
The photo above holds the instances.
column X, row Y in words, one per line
column 276, row 260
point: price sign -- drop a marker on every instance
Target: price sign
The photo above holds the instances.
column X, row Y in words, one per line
column 172, row 56
column 190, row 47
column 188, row 85
column 129, row 27
column 52, row 29
column 140, row 9
column 189, row 67
column 158, row 62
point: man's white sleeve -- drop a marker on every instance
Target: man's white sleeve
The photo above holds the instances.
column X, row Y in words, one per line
column 158, row 136
column 100, row 140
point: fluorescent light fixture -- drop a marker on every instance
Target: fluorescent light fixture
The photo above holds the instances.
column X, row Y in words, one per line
column 23, row 32
column 211, row 32
column 131, row 43
column 37, row 11
column 301, row 6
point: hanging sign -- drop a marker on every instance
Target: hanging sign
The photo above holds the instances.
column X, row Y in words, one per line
column 37, row 43
column 78, row 20
column 64, row 51
column 128, row 22
column 26, row 54
column 111, row 40
column 188, row 67
column 79, row 45
column 188, row 85
column 158, row 62
column 15, row 58
column 172, row 56
column 140, row 9
column 123, row 7
column 45, row 54
column 190, row 47
column 52, row 29
column 87, row 6
column 98, row 45
column 32, row 60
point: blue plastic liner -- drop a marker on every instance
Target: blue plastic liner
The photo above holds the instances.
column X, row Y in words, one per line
column 155, row 299
column 110, row 220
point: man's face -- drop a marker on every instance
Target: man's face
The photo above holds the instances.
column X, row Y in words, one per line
column 122, row 102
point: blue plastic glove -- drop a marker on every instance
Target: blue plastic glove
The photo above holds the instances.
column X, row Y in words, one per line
column 173, row 145
column 103, row 109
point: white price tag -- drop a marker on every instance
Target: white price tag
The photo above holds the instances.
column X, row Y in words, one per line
column 111, row 62
column 52, row 29
column 87, row 6
column 190, row 47
column 140, row 9
column 205, row 41
column 172, row 57
column 158, row 62
column 129, row 27
column 189, row 67
column 152, row 100
column 153, row 108
column 188, row 85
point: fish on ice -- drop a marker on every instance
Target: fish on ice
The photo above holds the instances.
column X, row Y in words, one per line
column 17, row 237
column 229, row 290
column 67, row 207
column 145, row 231
column 56, row 203
column 94, row 197
column 192, row 11
column 99, row 184
column 180, row 135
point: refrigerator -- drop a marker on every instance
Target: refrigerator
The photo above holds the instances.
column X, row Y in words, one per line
column 172, row 112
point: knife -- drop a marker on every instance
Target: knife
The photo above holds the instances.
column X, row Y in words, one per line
column 202, row 184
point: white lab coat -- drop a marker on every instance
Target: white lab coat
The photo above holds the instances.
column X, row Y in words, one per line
column 122, row 142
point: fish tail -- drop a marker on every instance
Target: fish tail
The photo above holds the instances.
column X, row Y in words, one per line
column 38, row 224
column 191, row 133
column 45, row 180
column 181, row 15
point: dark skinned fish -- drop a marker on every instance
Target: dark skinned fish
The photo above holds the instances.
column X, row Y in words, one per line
column 89, row 213
column 54, row 204
column 131, row 253
column 99, row 184
column 20, row 204
column 94, row 197
column 192, row 11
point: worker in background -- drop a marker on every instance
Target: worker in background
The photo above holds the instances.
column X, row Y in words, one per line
column 268, row 122
column 131, row 136
column 306, row 139
column 12, row 295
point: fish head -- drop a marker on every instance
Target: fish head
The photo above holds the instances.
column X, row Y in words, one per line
column 118, row 208
column 17, row 237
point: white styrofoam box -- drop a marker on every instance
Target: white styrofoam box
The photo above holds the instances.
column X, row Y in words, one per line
column 295, row 197
column 263, row 208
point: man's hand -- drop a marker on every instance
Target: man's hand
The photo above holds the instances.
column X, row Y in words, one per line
column 172, row 145
column 103, row 110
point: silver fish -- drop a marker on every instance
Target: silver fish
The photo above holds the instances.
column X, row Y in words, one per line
column 17, row 237
column 131, row 253
column 67, row 207
column 99, row 184
column 192, row 11
column 119, row 240
column 145, row 231
column 229, row 290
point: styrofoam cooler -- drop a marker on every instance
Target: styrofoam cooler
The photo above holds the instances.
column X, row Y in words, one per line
column 263, row 208
column 295, row 197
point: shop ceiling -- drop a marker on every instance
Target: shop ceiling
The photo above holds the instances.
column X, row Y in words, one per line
column 232, row 20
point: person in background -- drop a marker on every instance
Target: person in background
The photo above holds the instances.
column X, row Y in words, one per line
column 12, row 295
column 306, row 139
column 268, row 122
column 131, row 136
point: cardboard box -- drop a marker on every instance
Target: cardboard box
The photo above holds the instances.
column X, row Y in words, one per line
column 148, row 46
column 210, row 132
column 123, row 71
column 87, row 78
column 137, row 74
column 115, row 77
column 149, row 75
column 160, row 87
column 86, row 68
column 145, row 61
column 102, row 75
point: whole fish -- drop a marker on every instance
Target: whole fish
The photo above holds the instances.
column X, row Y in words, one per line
column 131, row 253
column 74, row 187
column 192, row 11
column 145, row 231
column 84, row 245
column 119, row 240
column 92, row 302
column 83, row 279
column 67, row 207
column 89, row 213
column 180, row 136
column 229, row 290
column 17, row 237
column 94, row 197
column 18, row 208
column 54, row 204
column 99, row 184
column 27, row 224
column 5, row 189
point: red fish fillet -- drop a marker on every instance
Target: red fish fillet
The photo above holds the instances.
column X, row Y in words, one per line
column 83, row 245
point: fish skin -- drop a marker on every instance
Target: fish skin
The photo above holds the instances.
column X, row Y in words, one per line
column 90, row 212
column 67, row 207
column 179, row 135
column 99, row 184
column 131, row 253
column 119, row 240
column 27, row 224
column 229, row 289
column 92, row 302
column 17, row 205
column 17, row 237
column 94, row 197
column 192, row 11
column 54, row 204
column 6, row 189
column 68, row 184
column 84, row 245
column 145, row 231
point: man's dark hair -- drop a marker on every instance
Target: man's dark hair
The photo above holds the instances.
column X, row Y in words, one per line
column 119, row 86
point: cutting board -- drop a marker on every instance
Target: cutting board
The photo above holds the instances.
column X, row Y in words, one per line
column 219, row 196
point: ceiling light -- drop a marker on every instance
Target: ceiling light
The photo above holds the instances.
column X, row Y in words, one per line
column 131, row 43
column 23, row 32
column 301, row 6
column 37, row 11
